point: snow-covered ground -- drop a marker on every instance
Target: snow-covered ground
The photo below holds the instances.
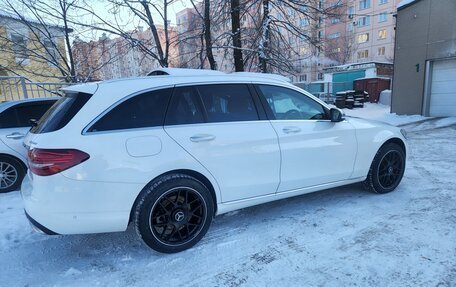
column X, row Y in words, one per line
column 339, row 237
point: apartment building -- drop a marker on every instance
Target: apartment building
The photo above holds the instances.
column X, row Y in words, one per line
column 108, row 58
column 373, row 29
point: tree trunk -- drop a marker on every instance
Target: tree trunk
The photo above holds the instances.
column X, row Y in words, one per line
column 162, row 60
column 207, row 35
column 264, row 42
column 236, row 36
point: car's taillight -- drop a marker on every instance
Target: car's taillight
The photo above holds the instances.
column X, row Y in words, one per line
column 51, row 161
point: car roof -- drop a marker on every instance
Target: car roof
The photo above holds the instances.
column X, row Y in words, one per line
column 6, row 105
column 131, row 85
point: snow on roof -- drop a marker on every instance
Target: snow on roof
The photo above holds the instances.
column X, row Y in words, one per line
column 404, row 3
column 14, row 16
column 367, row 78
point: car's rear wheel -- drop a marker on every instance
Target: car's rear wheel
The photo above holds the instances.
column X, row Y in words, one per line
column 173, row 213
column 387, row 169
column 11, row 174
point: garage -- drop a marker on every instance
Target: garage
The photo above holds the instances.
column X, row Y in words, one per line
column 443, row 89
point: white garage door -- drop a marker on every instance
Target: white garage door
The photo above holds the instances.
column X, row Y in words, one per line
column 443, row 89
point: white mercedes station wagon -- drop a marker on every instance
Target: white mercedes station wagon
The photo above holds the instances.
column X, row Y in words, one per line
column 168, row 153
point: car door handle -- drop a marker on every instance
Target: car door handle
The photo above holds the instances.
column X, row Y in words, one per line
column 291, row 130
column 15, row 136
column 202, row 138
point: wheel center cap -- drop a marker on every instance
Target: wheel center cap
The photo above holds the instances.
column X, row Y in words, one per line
column 390, row 170
column 179, row 216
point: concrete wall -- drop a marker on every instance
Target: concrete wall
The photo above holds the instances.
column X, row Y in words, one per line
column 425, row 31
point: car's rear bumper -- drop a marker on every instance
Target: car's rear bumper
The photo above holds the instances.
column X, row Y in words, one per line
column 38, row 227
column 58, row 205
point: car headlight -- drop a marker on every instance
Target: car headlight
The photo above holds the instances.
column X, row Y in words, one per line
column 404, row 133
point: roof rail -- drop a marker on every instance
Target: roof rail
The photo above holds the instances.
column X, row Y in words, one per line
column 264, row 76
column 183, row 72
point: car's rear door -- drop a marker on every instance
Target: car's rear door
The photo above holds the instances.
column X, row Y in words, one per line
column 15, row 122
column 221, row 127
column 314, row 150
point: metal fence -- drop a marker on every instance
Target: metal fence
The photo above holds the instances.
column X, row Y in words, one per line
column 16, row 88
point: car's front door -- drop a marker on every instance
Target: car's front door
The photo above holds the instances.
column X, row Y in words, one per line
column 219, row 126
column 314, row 150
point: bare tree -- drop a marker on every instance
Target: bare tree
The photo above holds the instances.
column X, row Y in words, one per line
column 40, row 34
column 236, row 35
column 140, row 13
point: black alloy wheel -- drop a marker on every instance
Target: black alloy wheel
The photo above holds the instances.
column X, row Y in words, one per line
column 173, row 213
column 387, row 169
column 178, row 216
column 390, row 169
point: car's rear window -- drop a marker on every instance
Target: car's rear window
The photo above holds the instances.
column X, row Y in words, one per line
column 61, row 112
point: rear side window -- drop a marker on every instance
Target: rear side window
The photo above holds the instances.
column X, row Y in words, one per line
column 228, row 103
column 184, row 107
column 61, row 113
column 21, row 114
column 35, row 111
column 144, row 110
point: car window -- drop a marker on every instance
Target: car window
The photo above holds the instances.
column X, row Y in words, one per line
column 21, row 114
column 228, row 103
column 34, row 111
column 61, row 112
column 288, row 104
column 144, row 110
column 184, row 107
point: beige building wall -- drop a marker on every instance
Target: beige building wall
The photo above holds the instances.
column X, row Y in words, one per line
column 35, row 67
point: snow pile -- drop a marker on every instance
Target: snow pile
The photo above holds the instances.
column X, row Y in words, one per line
column 385, row 98
column 382, row 113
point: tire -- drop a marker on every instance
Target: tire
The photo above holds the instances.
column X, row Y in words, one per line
column 173, row 213
column 12, row 172
column 387, row 169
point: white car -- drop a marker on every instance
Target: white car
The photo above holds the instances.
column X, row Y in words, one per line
column 170, row 152
column 15, row 121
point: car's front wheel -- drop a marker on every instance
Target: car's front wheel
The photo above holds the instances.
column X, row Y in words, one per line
column 11, row 174
column 387, row 169
column 173, row 213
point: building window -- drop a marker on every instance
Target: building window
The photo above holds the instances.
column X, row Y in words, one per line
column 335, row 20
column 383, row 17
column 303, row 78
column 381, row 51
column 364, row 4
column 51, row 51
column 381, row 2
column 320, row 34
column 350, row 27
column 351, row 11
column 335, row 50
column 291, row 39
column 334, row 35
column 363, row 54
column 19, row 46
column 382, row 34
column 320, row 76
column 363, row 38
column 364, row 21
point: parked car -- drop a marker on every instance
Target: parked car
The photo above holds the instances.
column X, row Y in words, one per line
column 15, row 122
column 170, row 152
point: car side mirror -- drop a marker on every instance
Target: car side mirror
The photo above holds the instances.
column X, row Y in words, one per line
column 33, row 122
column 335, row 115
